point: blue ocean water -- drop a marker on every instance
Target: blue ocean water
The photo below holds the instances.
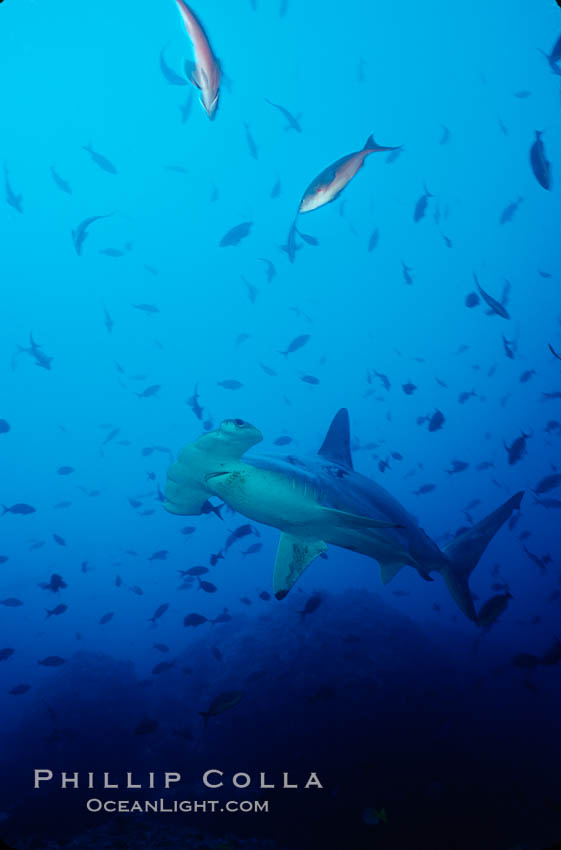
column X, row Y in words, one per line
column 395, row 698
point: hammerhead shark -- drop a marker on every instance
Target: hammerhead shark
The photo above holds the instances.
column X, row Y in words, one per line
column 319, row 499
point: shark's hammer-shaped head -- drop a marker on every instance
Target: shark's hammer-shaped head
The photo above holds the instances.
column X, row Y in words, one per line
column 187, row 487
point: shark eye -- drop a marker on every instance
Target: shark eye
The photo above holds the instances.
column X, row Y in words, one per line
column 239, row 423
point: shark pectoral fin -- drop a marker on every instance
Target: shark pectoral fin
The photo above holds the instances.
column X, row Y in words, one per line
column 183, row 494
column 293, row 556
column 342, row 519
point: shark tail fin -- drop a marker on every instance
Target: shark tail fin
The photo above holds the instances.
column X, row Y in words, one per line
column 464, row 552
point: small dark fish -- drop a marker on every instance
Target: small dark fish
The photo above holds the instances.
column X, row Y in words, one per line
column 223, row 702
column 268, row 370
column 492, row 303
column 65, row 470
column 100, row 160
column 264, row 595
column 445, row 138
column 539, row 162
column 271, row 270
column 297, row 343
column 293, row 122
column 147, row 308
column 6, row 653
column 373, row 241
column 194, row 620
column 216, row 652
column 436, row 421
column 159, row 612
column 207, row 586
column 111, row 436
column 55, row 584
column 555, row 354
column 282, row 441
column 525, row 376
column 312, row 604
column 161, row 647
column 253, row 549
column 310, row 379
column 160, row 555
column 230, row 384
column 492, row 609
column 52, row 661
column 20, row 508
column 421, row 206
column 106, row 618
column 4, row 426
column 224, row 617
column 188, row 529
column 407, row 273
column 60, row 540
column 63, row 185
column 238, row 534
column 235, row 235
column 149, row 392
column 209, row 508
column 15, row 201
column 162, row 667
column 510, row 210
column 425, row 488
column 550, row 482
column 251, row 143
column 408, row 388
column 276, row 190
column 59, row 609
column 18, row 690
column 147, row 727
column 80, row 235
column 457, row 466
column 137, row 590
column 517, row 450
column 194, row 571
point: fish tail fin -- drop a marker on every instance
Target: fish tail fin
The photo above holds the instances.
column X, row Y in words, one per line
column 372, row 145
column 49, row 613
column 5, row 510
column 465, row 551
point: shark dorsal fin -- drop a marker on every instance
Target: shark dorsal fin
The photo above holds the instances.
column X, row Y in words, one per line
column 337, row 444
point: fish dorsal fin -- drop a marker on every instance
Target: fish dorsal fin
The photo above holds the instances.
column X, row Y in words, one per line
column 337, row 444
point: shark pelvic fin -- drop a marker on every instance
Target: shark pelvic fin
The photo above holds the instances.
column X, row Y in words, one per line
column 337, row 444
column 464, row 553
column 388, row 571
column 293, row 556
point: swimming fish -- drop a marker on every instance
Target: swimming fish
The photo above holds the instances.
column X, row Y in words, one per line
column 223, row 702
column 63, row 185
column 100, row 160
column 539, row 162
column 328, row 185
column 15, row 201
column 80, row 235
column 494, row 305
column 204, row 72
column 293, row 121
